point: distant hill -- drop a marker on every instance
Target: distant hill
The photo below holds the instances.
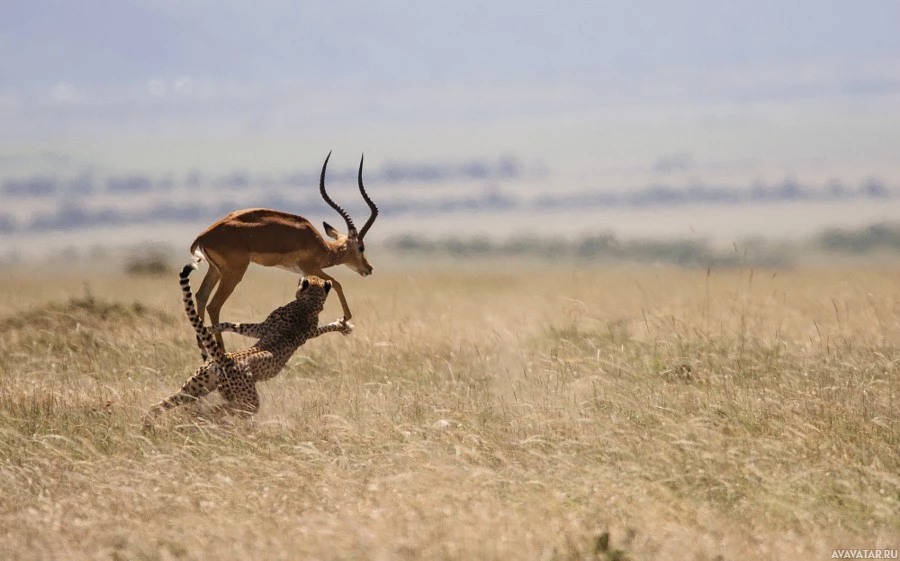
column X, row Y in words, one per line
column 83, row 201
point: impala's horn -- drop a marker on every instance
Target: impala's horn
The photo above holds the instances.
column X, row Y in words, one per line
column 351, row 229
column 372, row 207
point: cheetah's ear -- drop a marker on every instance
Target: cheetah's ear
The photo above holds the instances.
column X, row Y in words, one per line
column 304, row 284
column 327, row 287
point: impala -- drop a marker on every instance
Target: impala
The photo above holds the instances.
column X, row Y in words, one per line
column 272, row 238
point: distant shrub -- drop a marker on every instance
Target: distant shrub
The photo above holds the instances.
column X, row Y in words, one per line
column 870, row 238
column 148, row 262
column 597, row 248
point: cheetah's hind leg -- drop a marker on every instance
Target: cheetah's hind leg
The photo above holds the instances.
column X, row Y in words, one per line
column 204, row 381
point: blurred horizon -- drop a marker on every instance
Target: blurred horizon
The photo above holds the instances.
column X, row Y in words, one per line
column 589, row 101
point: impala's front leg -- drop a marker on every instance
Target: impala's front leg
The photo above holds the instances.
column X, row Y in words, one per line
column 340, row 292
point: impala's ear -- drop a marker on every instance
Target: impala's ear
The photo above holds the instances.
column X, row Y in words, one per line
column 304, row 284
column 332, row 233
column 327, row 287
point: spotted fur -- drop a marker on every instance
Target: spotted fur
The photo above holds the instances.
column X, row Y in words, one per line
column 235, row 374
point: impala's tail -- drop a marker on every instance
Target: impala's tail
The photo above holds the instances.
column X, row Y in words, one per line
column 198, row 254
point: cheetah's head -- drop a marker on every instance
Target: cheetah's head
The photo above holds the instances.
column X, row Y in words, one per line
column 314, row 290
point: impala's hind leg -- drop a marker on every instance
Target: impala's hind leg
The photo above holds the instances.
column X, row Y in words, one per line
column 229, row 280
column 206, row 287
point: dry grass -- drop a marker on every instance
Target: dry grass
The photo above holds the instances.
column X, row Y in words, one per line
column 633, row 414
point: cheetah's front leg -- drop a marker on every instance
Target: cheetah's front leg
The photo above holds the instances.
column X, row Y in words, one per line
column 246, row 329
column 341, row 325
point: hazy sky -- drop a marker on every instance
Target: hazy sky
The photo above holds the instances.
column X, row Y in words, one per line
column 107, row 43
column 763, row 89
column 596, row 95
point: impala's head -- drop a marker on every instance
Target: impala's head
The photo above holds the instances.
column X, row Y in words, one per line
column 354, row 249
column 314, row 290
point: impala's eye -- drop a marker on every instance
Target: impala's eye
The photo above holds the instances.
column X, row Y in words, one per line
column 362, row 248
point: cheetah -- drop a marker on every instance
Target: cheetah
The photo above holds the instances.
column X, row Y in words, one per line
column 235, row 374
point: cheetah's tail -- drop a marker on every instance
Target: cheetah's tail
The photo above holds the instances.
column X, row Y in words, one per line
column 187, row 270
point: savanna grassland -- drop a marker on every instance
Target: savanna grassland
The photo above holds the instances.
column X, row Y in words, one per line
column 644, row 413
